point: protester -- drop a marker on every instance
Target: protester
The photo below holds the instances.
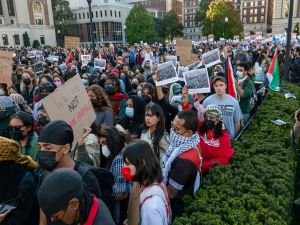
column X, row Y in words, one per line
column 142, row 166
column 28, row 86
column 7, row 109
column 294, row 74
column 230, row 108
column 18, row 184
column 64, row 200
column 20, row 101
column 22, row 130
column 214, row 139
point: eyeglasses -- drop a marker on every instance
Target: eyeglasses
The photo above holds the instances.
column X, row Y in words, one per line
column 177, row 130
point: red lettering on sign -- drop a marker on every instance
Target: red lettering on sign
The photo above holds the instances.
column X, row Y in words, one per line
column 87, row 107
column 72, row 122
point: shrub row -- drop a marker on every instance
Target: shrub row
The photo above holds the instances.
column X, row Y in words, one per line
column 258, row 186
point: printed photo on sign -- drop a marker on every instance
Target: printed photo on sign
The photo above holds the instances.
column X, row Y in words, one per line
column 194, row 65
column 197, row 81
column 211, row 58
column 182, row 69
column 85, row 59
column 167, row 73
column 100, row 63
column 172, row 59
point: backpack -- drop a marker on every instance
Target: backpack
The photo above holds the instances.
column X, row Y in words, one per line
column 132, row 57
column 105, row 180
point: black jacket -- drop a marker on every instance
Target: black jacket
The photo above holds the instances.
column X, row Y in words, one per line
column 294, row 75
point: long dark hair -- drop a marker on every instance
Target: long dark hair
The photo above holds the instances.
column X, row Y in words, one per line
column 218, row 129
column 147, row 165
column 160, row 127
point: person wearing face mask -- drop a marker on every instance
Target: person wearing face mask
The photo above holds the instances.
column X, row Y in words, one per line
column 112, row 143
column 20, row 101
column 22, row 130
column 214, row 139
column 43, row 117
column 55, row 143
column 58, row 81
column 134, row 87
column 64, row 200
column 7, row 109
column 134, row 116
column 17, row 82
column 85, row 79
column 28, row 86
column 149, row 202
column 244, row 87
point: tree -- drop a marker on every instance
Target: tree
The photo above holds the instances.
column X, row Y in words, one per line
column 64, row 20
column 36, row 44
column 201, row 12
column 170, row 27
column 140, row 26
column 214, row 22
column 26, row 39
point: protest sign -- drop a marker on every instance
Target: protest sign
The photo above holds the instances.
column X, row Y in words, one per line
column 172, row 59
column 72, row 42
column 236, row 38
column 258, row 35
column 294, row 36
column 100, row 63
column 71, row 104
column 194, row 65
column 166, row 73
column 184, row 50
column 38, row 68
column 211, row 58
column 197, row 81
column 204, row 39
column 5, row 67
column 182, row 69
column 269, row 37
column 210, row 38
column 247, row 36
column 85, row 59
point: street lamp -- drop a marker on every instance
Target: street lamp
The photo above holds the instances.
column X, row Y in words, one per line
column 58, row 37
column 124, row 36
column 91, row 26
column 225, row 27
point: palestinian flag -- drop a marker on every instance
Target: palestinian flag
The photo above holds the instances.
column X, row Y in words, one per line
column 231, row 90
column 273, row 74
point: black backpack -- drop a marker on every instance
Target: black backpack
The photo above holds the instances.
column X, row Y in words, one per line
column 105, row 180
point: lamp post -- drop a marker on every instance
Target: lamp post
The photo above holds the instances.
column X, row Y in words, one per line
column 91, row 26
column 124, row 36
column 225, row 27
column 58, row 37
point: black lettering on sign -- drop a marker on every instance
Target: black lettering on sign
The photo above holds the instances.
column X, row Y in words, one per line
column 74, row 103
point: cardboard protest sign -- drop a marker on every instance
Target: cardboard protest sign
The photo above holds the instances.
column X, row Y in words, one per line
column 258, row 35
column 72, row 42
column 5, row 67
column 100, row 63
column 71, row 103
column 85, row 59
column 211, row 58
column 38, row 68
column 197, row 81
column 167, row 73
column 184, row 50
column 172, row 59
column 210, row 38
column 182, row 69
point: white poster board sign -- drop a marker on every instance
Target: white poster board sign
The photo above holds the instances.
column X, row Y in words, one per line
column 197, row 81
column 212, row 58
column 85, row 59
column 166, row 73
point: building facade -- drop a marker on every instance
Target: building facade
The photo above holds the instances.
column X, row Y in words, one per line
column 32, row 16
column 280, row 15
column 108, row 21
column 191, row 29
column 256, row 15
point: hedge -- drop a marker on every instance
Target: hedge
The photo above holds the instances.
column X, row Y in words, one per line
column 258, row 186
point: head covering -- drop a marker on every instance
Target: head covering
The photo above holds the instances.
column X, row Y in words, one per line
column 18, row 99
column 213, row 110
column 50, row 87
column 10, row 151
column 115, row 71
column 57, row 132
column 6, row 102
column 57, row 189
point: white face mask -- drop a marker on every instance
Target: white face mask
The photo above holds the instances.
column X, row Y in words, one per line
column 2, row 92
column 105, row 151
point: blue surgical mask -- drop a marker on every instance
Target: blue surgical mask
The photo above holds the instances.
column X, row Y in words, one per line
column 239, row 74
column 129, row 112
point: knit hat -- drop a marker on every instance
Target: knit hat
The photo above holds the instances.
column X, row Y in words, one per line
column 57, row 132
column 57, row 189
column 213, row 110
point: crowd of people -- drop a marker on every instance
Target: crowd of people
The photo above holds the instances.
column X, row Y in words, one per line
column 148, row 147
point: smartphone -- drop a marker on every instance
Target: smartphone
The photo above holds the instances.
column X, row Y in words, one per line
column 5, row 207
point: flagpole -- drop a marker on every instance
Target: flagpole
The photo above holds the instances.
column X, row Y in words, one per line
column 288, row 42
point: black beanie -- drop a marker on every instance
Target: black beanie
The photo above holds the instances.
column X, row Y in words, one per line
column 57, row 132
column 57, row 189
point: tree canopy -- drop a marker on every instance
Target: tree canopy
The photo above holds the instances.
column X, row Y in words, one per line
column 170, row 27
column 140, row 26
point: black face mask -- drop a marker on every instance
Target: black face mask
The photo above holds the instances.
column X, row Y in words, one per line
column 44, row 95
column 19, row 76
column 43, row 120
column 47, row 160
column 14, row 67
column 94, row 102
column 146, row 98
column 27, row 81
column 2, row 115
column 210, row 124
column 134, row 86
column 17, row 135
column 109, row 89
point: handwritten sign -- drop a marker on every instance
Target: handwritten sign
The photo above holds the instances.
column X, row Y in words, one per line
column 5, row 67
column 71, row 103
column 184, row 50
column 72, row 42
column 85, row 59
